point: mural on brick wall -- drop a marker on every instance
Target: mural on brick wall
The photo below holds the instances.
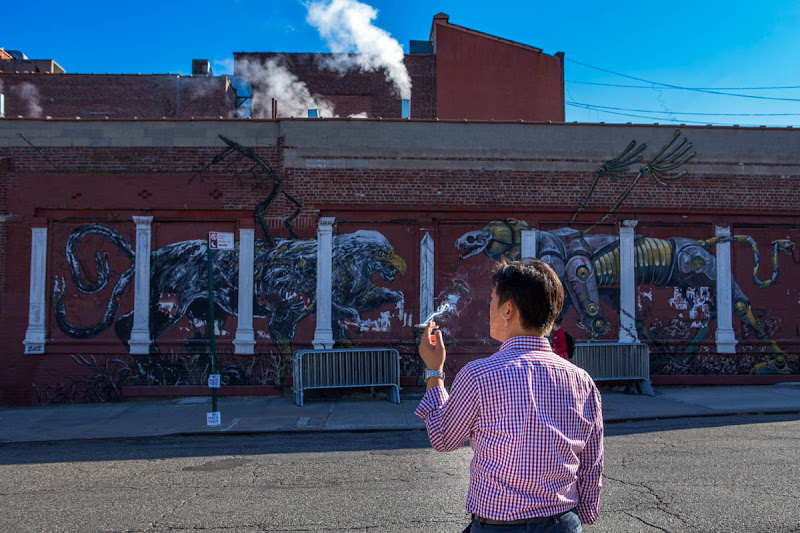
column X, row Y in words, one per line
column 284, row 295
column 284, row 287
column 588, row 266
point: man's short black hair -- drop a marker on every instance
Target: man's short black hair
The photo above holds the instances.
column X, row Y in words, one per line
column 535, row 290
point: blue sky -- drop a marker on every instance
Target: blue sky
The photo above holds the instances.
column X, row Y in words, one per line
column 716, row 45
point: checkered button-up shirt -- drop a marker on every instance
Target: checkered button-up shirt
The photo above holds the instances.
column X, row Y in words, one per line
column 535, row 425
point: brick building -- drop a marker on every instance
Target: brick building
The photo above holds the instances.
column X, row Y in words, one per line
column 82, row 200
column 458, row 73
column 35, row 95
column 38, row 88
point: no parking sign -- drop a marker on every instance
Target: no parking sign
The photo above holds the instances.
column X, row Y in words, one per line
column 220, row 241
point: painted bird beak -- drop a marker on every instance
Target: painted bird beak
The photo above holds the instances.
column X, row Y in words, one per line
column 396, row 261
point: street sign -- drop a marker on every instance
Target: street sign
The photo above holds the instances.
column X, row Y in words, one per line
column 214, row 418
column 214, row 380
column 220, row 241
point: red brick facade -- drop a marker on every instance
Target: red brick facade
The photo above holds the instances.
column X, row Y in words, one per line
column 483, row 77
column 116, row 96
column 469, row 75
column 392, row 179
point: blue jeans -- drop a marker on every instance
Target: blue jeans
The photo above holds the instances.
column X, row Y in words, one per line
column 565, row 523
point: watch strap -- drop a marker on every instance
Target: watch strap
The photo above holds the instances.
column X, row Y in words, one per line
column 434, row 374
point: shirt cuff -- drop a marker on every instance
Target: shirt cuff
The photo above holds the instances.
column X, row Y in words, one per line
column 587, row 514
column 434, row 399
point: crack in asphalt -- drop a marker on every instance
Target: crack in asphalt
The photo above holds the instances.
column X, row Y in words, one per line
column 645, row 522
column 661, row 505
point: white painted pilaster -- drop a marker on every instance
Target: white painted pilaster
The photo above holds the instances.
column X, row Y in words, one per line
column 725, row 336
column 426, row 276
column 323, row 334
column 140, row 334
column 528, row 244
column 245, row 339
column 35, row 335
column 627, row 283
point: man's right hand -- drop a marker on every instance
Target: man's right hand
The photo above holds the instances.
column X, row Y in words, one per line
column 432, row 353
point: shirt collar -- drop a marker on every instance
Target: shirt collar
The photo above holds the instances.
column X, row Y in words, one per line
column 526, row 343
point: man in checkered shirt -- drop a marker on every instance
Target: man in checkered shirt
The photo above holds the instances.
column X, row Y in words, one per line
column 533, row 419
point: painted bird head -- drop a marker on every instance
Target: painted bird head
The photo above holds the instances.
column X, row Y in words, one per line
column 374, row 253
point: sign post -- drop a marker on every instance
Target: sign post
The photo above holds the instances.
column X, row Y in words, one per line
column 216, row 241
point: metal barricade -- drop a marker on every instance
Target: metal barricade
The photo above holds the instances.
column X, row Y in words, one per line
column 339, row 368
column 616, row 361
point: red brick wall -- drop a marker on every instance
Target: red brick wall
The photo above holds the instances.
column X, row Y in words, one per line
column 396, row 176
column 483, row 78
column 116, row 96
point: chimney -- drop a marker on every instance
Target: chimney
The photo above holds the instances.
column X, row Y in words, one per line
column 406, row 112
column 274, row 108
column 201, row 67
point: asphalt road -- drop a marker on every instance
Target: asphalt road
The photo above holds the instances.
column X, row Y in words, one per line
column 731, row 474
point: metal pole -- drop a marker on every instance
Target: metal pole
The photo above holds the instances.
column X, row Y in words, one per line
column 210, row 323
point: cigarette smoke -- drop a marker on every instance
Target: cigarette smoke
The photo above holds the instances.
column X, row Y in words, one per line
column 276, row 81
column 29, row 94
column 346, row 25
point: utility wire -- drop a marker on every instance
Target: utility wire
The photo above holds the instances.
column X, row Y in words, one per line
column 601, row 107
column 685, row 88
column 661, row 118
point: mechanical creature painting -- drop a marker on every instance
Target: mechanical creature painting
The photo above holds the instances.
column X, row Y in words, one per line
column 589, row 264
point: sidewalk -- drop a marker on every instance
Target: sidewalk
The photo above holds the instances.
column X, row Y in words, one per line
column 348, row 413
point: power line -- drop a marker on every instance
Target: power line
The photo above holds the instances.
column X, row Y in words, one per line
column 600, row 107
column 660, row 118
column 687, row 88
column 707, row 91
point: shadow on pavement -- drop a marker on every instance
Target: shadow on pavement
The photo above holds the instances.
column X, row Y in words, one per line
column 147, row 448
column 694, row 422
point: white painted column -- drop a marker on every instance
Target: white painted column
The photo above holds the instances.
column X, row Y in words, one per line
column 426, row 275
column 140, row 334
column 528, row 244
column 245, row 341
column 725, row 336
column 35, row 335
column 323, row 334
column 627, row 283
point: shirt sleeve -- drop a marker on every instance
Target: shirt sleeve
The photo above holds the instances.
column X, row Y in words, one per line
column 450, row 418
column 590, row 469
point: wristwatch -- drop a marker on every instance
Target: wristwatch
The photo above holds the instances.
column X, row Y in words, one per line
column 433, row 374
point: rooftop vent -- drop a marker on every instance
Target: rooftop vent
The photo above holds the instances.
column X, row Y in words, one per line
column 406, row 109
column 201, row 67
column 16, row 54
column 420, row 47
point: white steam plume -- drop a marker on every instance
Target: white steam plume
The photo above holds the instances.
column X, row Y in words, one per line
column 347, row 27
column 29, row 94
column 275, row 81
